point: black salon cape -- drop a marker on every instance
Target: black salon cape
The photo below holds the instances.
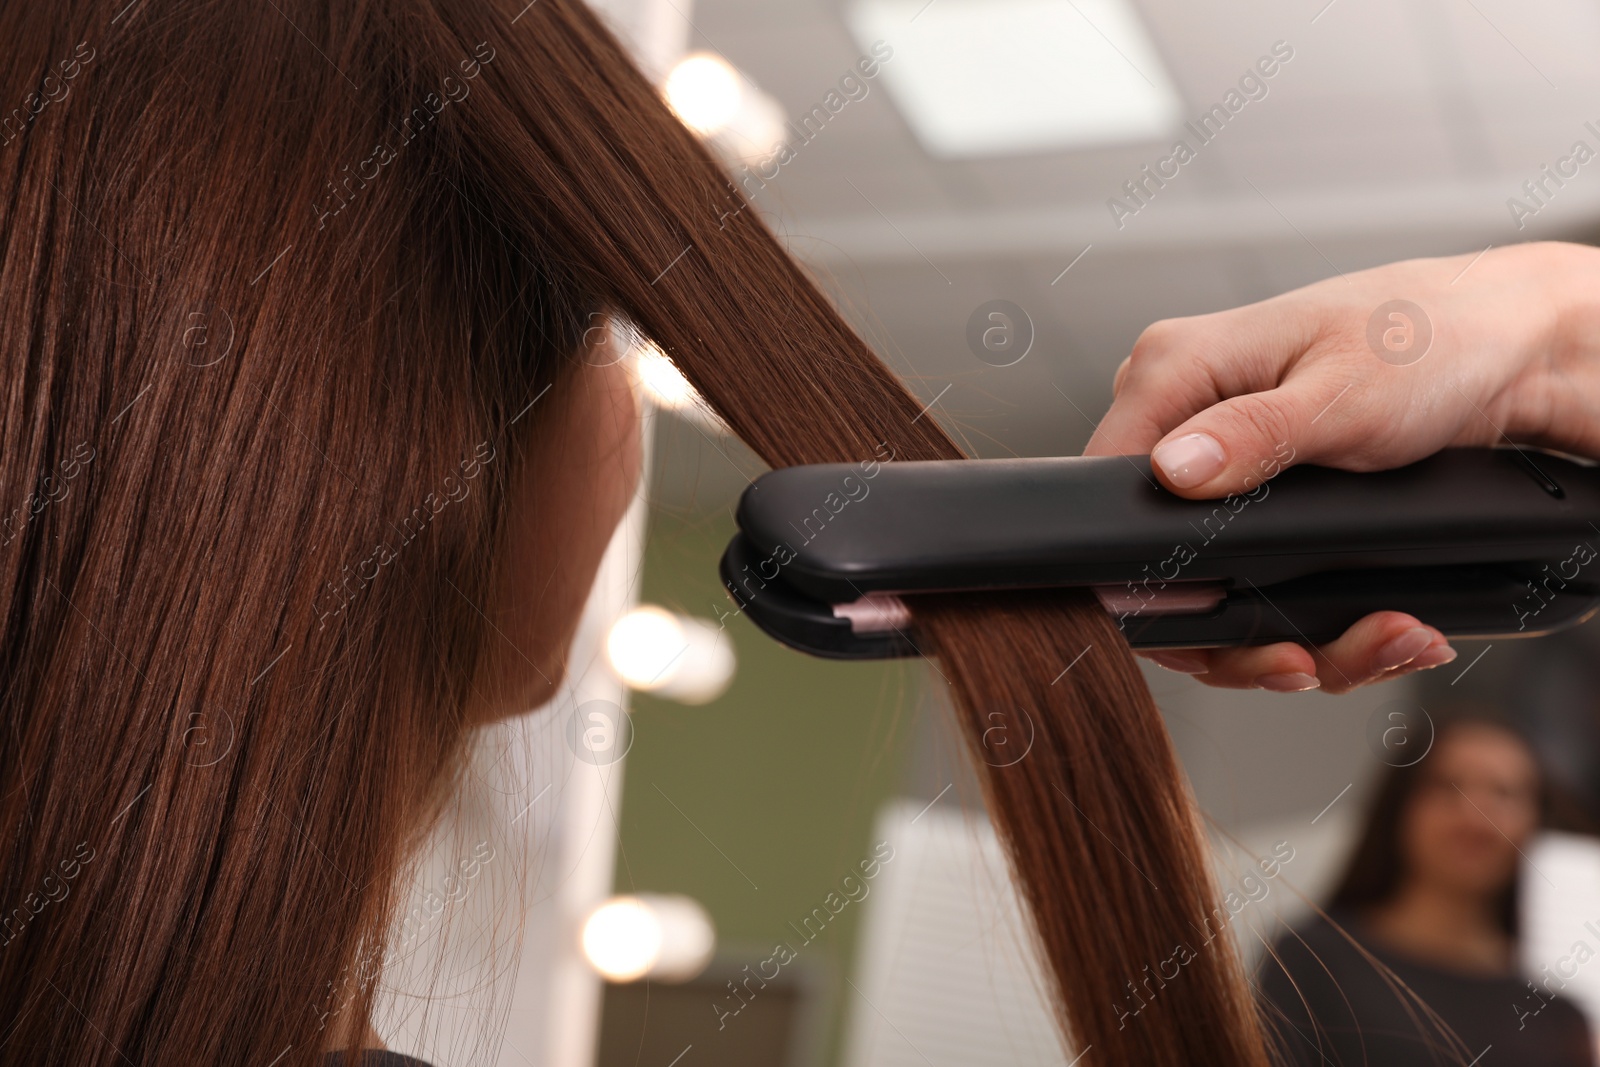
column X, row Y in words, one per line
column 1359, row 1019
column 374, row 1058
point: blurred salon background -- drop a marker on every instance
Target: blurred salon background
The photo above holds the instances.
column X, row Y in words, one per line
column 753, row 857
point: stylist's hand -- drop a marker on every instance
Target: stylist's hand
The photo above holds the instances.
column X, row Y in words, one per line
column 1223, row 401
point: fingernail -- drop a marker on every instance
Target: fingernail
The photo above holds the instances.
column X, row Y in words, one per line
column 1402, row 649
column 1433, row 657
column 1190, row 460
column 1178, row 661
column 1287, row 683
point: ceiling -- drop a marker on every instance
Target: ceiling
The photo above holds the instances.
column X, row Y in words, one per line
column 1398, row 129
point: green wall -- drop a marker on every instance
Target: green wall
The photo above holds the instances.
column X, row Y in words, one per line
column 783, row 774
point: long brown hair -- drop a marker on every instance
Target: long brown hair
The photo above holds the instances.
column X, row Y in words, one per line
column 401, row 216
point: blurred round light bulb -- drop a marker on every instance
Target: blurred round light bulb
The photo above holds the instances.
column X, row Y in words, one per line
column 675, row 656
column 705, row 92
column 665, row 387
column 622, row 939
column 663, row 380
column 665, row 937
column 645, row 645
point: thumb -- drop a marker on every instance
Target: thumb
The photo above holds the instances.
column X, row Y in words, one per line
column 1235, row 445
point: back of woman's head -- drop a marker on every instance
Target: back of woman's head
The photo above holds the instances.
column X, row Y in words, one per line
column 255, row 413
column 281, row 283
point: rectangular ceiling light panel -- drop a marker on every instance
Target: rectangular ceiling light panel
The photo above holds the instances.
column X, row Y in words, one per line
column 1001, row 77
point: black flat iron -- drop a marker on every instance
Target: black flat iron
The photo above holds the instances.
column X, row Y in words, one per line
column 1476, row 542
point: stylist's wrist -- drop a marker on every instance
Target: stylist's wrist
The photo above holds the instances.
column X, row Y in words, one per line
column 1556, row 401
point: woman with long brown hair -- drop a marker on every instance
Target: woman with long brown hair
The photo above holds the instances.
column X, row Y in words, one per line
column 1428, row 906
column 298, row 427
column 360, row 518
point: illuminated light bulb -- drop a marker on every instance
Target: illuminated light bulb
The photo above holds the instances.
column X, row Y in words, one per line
column 664, row 385
column 645, row 645
column 705, row 92
column 674, row 656
column 667, row 938
column 662, row 379
column 755, row 136
column 622, row 939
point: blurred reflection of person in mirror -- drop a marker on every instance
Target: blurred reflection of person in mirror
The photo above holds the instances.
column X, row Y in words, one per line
column 1419, row 949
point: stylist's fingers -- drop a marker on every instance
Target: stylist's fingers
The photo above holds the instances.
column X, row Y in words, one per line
column 1167, row 379
column 1224, row 402
column 1122, row 372
column 1382, row 645
column 1284, row 667
column 1236, row 444
column 1180, row 368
